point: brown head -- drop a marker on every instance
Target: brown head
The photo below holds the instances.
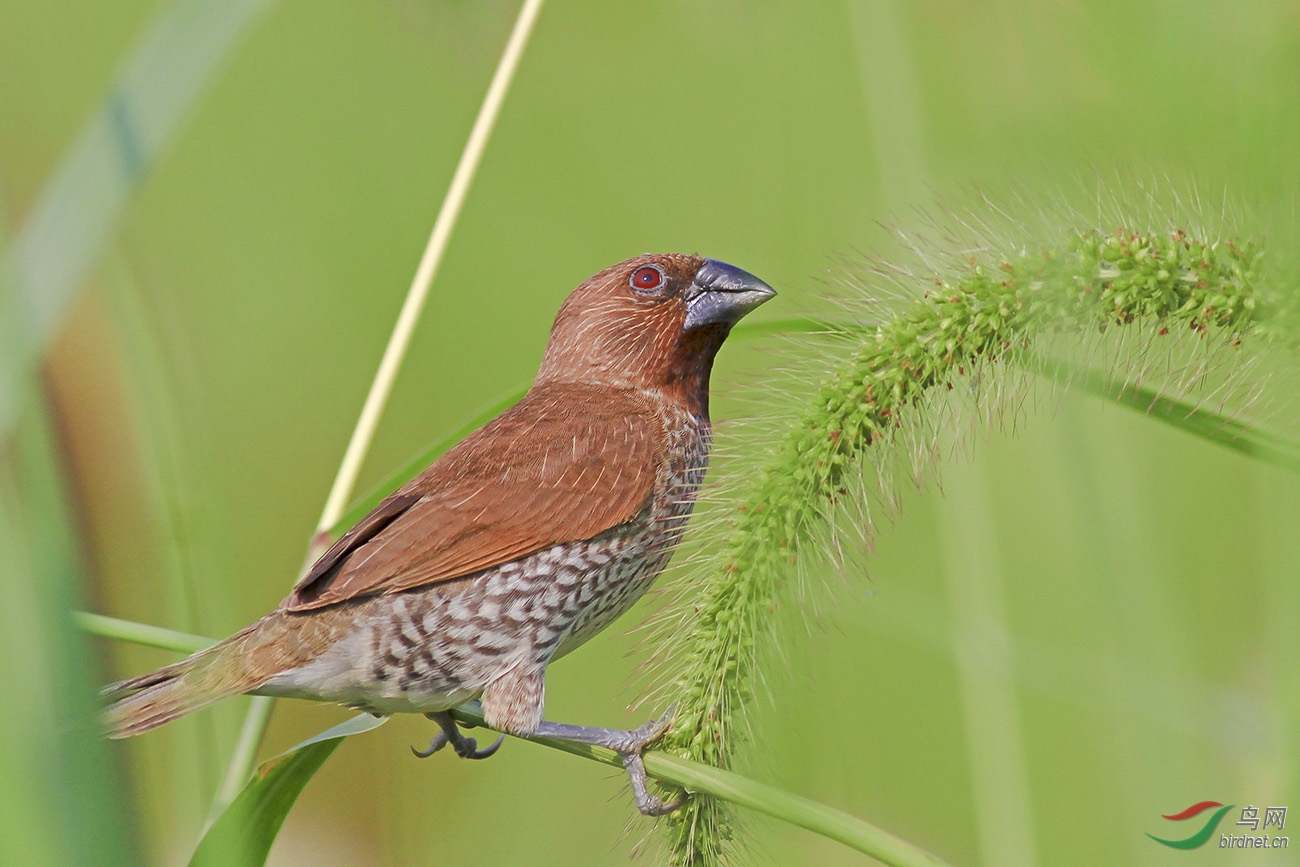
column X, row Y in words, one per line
column 654, row 322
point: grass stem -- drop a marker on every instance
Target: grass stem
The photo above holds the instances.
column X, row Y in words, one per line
column 241, row 764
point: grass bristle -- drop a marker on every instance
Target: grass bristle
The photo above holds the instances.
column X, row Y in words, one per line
column 919, row 355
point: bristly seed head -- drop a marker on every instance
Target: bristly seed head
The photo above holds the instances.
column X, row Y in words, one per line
column 1003, row 313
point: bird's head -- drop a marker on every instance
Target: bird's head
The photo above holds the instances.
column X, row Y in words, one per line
column 654, row 321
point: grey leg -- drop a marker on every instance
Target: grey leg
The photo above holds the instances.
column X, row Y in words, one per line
column 466, row 748
column 629, row 745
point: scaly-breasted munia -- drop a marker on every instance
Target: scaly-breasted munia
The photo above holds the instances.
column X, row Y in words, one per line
column 513, row 548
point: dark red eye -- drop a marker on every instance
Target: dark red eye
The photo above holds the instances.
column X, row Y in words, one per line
column 647, row 278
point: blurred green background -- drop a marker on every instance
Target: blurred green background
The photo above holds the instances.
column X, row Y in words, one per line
column 1095, row 622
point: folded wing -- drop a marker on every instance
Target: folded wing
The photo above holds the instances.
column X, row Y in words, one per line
column 564, row 464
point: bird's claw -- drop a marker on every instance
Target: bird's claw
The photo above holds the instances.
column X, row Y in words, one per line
column 439, row 741
column 647, row 733
column 466, row 748
column 639, row 739
column 473, row 752
column 647, row 802
column 629, row 745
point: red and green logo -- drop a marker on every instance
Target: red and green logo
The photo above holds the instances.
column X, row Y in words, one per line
column 1199, row 838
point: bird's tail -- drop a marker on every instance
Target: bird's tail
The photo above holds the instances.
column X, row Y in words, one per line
column 225, row 669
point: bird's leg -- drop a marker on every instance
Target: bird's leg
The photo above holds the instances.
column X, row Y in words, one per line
column 629, row 745
column 466, row 748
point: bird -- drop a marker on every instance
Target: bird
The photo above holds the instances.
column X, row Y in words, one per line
column 512, row 549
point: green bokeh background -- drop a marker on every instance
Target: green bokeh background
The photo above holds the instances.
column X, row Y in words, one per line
column 1094, row 624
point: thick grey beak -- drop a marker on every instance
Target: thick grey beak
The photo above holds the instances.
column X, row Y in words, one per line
column 721, row 294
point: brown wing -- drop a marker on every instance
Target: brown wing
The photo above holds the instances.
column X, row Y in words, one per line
column 565, row 463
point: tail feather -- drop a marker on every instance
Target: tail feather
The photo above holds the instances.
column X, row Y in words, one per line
column 142, row 703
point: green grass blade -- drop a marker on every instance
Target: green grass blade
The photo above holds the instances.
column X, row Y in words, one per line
column 66, row 229
column 788, row 807
column 244, row 754
column 790, row 325
column 242, row 835
column 362, row 722
column 399, row 340
column 61, row 802
column 1231, row 433
column 140, row 633
column 729, row 786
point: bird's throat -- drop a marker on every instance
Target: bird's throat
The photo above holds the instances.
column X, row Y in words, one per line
column 687, row 376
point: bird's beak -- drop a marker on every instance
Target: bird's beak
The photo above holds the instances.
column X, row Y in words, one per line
column 721, row 294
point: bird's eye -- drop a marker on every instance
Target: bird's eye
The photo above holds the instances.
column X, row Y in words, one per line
column 647, row 279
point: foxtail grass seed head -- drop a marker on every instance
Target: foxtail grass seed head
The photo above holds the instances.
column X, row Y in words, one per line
column 994, row 312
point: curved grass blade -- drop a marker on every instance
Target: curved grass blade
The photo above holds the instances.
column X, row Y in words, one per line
column 61, row 803
column 140, row 633
column 242, row 835
column 1248, row 439
column 699, row 778
column 170, row 69
column 399, row 341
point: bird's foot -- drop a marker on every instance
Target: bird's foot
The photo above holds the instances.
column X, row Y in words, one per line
column 629, row 745
column 466, row 748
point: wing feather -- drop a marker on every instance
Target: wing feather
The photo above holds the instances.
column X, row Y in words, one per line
column 563, row 464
